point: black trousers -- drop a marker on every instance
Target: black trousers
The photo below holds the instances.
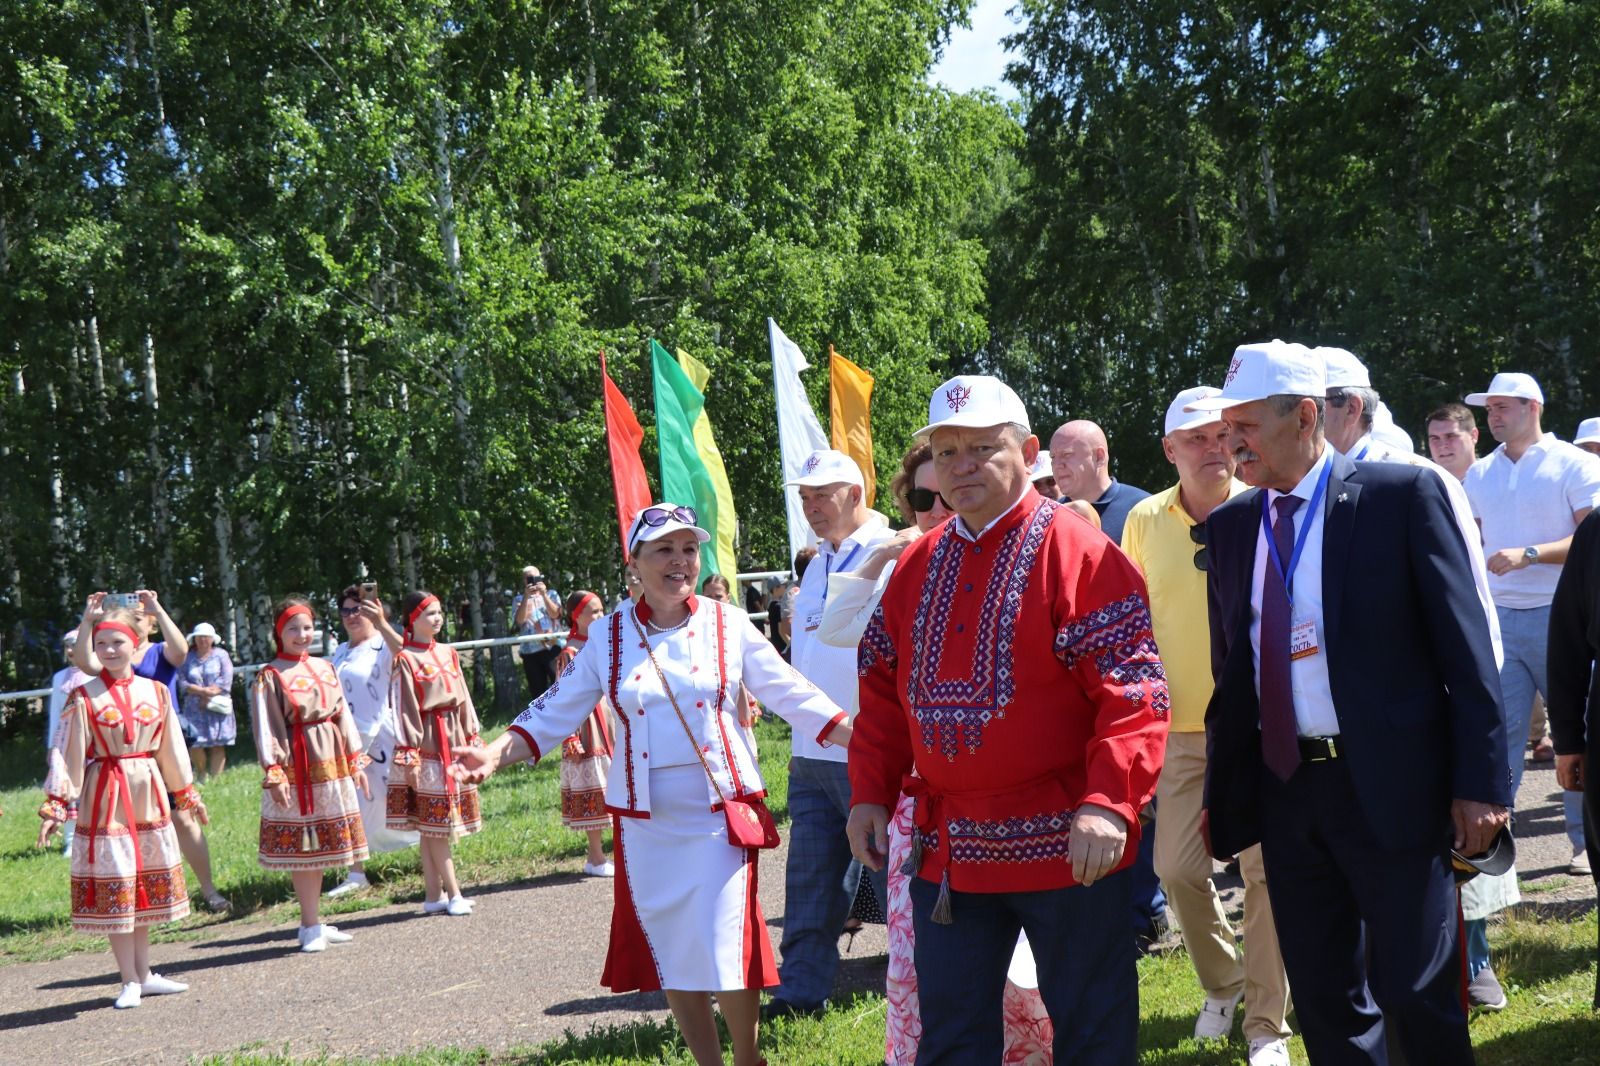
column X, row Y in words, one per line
column 539, row 668
column 1369, row 934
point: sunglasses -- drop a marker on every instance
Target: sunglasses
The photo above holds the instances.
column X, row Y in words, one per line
column 1197, row 534
column 922, row 500
column 655, row 517
column 349, row 611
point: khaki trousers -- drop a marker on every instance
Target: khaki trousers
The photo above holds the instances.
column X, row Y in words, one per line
column 1184, row 867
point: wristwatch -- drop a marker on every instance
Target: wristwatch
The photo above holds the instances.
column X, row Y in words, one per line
column 1531, row 554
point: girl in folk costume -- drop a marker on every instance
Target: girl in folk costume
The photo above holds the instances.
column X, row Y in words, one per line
column 586, row 754
column 435, row 716
column 684, row 789
column 312, row 755
column 121, row 752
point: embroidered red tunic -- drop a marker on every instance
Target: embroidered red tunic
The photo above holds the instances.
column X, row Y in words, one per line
column 1018, row 675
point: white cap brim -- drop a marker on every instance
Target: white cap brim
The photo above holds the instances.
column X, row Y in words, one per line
column 1213, row 404
column 957, row 422
column 817, row 480
column 1595, row 439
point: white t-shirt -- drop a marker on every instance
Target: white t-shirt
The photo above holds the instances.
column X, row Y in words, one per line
column 364, row 671
column 1530, row 501
column 831, row 669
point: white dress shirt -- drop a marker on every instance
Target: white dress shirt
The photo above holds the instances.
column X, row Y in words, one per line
column 1531, row 501
column 1308, row 676
column 830, row 668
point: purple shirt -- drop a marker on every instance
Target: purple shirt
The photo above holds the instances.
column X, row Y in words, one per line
column 154, row 665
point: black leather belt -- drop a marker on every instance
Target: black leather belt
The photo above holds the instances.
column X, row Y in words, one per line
column 1320, row 749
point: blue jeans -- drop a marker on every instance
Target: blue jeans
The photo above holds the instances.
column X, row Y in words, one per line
column 815, row 901
column 1525, row 634
column 1149, row 902
column 1087, row 975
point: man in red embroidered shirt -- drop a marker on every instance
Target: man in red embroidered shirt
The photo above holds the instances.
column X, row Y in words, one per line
column 1010, row 682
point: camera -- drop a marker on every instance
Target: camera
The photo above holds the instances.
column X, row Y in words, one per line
column 369, row 590
column 120, row 601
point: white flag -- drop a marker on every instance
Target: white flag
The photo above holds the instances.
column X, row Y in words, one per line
column 799, row 432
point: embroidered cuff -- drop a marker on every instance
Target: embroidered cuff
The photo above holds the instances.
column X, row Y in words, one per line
column 186, row 799
column 274, row 776
column 53, row 809
column 407, row 757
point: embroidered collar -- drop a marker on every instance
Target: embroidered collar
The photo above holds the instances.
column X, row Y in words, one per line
column 641, row 607
column 415, row 645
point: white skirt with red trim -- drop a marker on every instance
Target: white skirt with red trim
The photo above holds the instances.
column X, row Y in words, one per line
column 686, row 915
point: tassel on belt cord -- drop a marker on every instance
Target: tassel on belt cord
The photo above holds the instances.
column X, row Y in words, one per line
column 114, row 777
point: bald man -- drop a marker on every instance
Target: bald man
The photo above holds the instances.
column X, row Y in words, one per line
column 1082, row 464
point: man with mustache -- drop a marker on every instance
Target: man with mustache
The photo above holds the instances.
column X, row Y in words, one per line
column 1356, row 730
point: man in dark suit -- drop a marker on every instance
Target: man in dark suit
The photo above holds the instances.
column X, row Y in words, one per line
column 1356, row 730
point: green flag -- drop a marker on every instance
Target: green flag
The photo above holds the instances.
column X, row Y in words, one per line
column 684, row 476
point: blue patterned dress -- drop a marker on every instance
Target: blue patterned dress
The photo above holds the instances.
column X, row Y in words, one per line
column 203, row 727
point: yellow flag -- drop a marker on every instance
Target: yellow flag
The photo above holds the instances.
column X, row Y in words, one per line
column 704, row 443
column 850, row 412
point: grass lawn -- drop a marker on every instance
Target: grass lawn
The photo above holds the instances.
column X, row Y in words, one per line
column 1547, row 966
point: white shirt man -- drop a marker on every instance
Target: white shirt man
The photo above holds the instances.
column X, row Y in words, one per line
column 832, row 496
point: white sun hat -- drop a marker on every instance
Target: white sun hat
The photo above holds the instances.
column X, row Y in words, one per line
column 1342, row 369
column 660, row 519
column 1267, row 368
column 1180, row 418
column 205, row 629
column 1511, row 386
column 826, row 466
column 974, row 401
column 1588, row 432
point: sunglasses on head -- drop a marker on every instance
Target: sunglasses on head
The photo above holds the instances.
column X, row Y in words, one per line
column 655, row 517
column 922, row 500
column 1197, row 534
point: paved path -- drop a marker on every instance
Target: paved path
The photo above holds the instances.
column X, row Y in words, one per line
column 522, row 970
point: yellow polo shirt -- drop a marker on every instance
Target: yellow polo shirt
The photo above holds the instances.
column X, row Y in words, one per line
column 1156, row 538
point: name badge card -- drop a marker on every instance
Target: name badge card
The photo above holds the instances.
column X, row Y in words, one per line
column 813, row 621
column 1303, row 639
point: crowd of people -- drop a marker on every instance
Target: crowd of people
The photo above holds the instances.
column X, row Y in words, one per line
column 1027, row 724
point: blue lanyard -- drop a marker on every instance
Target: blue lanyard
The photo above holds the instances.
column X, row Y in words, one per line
column 827, row 570
column 1364, row 449
column 1287, row 573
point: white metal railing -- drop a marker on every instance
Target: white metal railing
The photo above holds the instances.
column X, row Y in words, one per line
column 250, row 670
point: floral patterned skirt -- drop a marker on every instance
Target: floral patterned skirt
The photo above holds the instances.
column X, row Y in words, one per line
column 433, row 808
column 583, row 792
column 330, row 836
column 105, row 892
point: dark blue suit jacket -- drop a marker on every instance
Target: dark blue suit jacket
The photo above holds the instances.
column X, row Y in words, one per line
column 1409, row 660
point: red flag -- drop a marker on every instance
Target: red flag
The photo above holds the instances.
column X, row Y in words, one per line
column 623, row 436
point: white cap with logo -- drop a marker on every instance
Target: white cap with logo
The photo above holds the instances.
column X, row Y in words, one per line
column 1510, row 386
column 1180, row 418
column 1588, row 432
column 660, row 519
column 825, row 466
column 974, row 401
column 1041, row 467
column 1267, row 368
column 1342, row 369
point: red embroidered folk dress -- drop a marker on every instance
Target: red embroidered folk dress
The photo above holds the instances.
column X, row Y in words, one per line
column 121, row 753
column 434, row 716
column 307, row 737
column 585, row 761
column 1017, row 673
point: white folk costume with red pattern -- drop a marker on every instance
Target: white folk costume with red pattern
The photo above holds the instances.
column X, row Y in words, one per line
column 1017, row 673
column 435, row 715
column 307, row 737
column 585, row 761
column 686, row 915
column 121, row 752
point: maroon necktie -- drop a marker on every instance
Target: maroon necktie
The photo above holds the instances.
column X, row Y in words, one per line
column 1280, row 738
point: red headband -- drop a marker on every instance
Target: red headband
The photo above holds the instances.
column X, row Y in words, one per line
column 283, row 620
column 416, row 612
column 119, row 627
column 582, row 605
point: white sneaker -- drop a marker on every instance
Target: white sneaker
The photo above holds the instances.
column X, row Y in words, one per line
column 1269, row 1051
column 458, row 907
column 1216, row 1018
column 156, row 985
column 604, row 869
column 333, row 935
column 353, row 883
column 1580, row 863
column 129, row 997
column 312, row 940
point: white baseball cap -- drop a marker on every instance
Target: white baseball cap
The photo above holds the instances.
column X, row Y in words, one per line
column 1342, row 369
column 660, row 519
column 1588, row 432
column 1041, row 467
column 204, row 629
column 1512, row 386
column 828, row 467
column 1267, row 368
column 1385, row 430
column 974, row 401
column 1180, row 418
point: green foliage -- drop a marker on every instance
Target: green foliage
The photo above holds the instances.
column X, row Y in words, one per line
column 293, row 291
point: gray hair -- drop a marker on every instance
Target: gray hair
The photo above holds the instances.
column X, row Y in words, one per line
column 1340, row 396
column 1019, row 433
column 1285, row 403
